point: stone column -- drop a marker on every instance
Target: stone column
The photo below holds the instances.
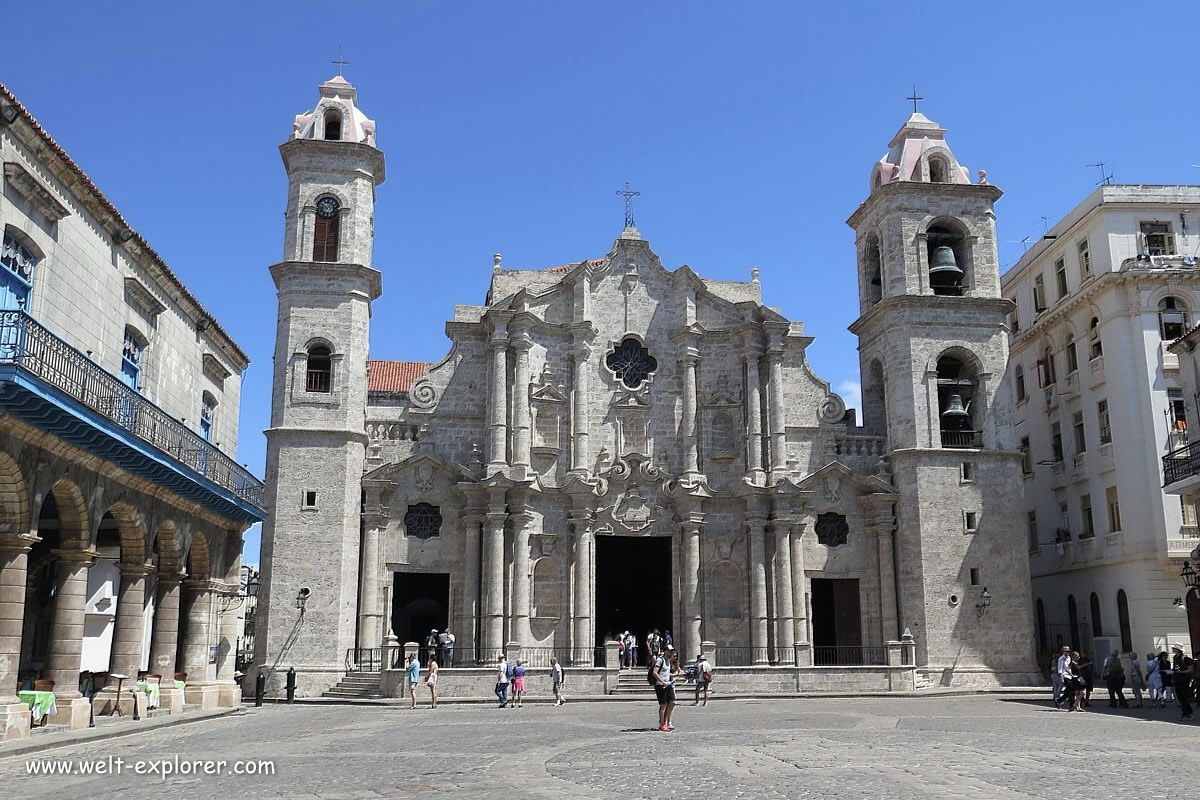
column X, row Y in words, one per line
column 758, row 589
column 581, row 522
column 580, row 454
column 200, row 688
column 785, row 624
column 522, row 435
column 66, row 637
column 692, row 608
column 467, row 644
column 129, row 631
column 880, row 527
column 164, row 644
column 230, row 695
column 370, row 608
column 691, row 459
column 497, row 400
column 775, row 415
column 754, row 456
column 493, row 585
column 521, row 634
column 799, row 583
column 14, row 561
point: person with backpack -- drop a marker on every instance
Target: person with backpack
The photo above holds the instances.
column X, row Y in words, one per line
column 1114, row 679
column 557, row 674
column 503, row 672
column 703, row 678
column 663, row 673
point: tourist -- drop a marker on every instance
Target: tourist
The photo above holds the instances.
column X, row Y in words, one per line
column 1086, row 669
column 1164, row 669
column 414, row 677
column 667, row 640
column 1063, row 664
column 556, row 680
column 633, row 650
column 1114, row 680
column 1056, row 677
column 1075, row 687
column 1184, row 669
column 446, row 645
column 666, row 670
column 703, row 679
column 620, row 640
column 502, row 681
column 518, row 682
column 651, row 649
column 1154, row 680
column 431, row 642
column 1136, row 681
column 431, row 682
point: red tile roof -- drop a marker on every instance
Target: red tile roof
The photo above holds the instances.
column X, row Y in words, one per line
column 564, row 267
column 394, row 376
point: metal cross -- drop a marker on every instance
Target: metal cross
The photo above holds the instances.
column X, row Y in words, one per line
column 628, row 193
column 915, row 98
column 339, row 61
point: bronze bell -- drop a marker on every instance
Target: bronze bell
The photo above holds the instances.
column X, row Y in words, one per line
column 943, row 262
column 956, row 407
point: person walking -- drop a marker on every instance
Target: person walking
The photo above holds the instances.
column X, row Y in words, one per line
column 633, row 650
column 1114, row 680
column 431, row 644
column 446, row 645
column 518, row 682
column 1168, row 681
column 703, row 678
column 1063, row 663
column 1073, row 682
column 431, row 682
column 414, row 677
column 664, row 691
column 1056, row 678
column 502, row 681
column 1086, row 669
column 1154, row 680
column 1136, row 680
column 556, row 680
column 1184, row 668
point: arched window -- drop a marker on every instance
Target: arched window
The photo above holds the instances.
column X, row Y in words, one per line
column 1072, row 354
column 333, row 126
column 320, row 368
column 1095, row 348
column 939, row 171
column 1073, row 621
column 1097, row 624
column 1043, row 644
column 947, row 253
column 326, row 230
column 1123, row 621
column 956, row 393
column 1019, row 380
column 1172, row 318
column 208, row 410
column 16, row 280
column 1047, row 369
column 131, row 359
column 874, row 398
column 873, row 268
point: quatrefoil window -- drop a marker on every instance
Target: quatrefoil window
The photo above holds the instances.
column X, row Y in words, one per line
column 832, row 530
column 423, row 521
column 631, row 362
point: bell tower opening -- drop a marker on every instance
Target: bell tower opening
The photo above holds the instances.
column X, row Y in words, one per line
column 633, row 587
column 947, row 255
column 956, row 395
column 333, row 126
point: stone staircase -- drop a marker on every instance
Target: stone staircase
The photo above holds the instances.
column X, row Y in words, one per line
column 633, row 682
column 356, row 686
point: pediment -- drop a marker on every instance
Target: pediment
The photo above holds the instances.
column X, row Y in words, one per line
column 832, row 478
column 423, row 468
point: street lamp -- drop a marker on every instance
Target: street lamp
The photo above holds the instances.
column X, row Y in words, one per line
column 1191, row 578
column 985, row 600
column 248, row 589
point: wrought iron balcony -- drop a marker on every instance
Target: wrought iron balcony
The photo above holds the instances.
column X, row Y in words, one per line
column 962, row 439
column 1181, row 463
column 35, row 351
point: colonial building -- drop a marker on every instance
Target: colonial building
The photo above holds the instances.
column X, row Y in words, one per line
column 121, row 505
column 1099, row 402
column 614, row 444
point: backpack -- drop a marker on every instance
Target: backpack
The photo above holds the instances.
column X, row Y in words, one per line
column 651, row 674
column 508, row 672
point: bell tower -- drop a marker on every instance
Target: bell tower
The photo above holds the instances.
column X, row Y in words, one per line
column 933, row 351
column 317, row 440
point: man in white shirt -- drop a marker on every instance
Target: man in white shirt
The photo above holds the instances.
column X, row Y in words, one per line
column 502, row 681
column 703, row 678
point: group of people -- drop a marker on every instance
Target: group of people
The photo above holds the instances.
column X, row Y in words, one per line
column 663, row 673
column 1165, row 679
column 439, row 646
column 510, row 677
column 627, row 646
column 414, row 678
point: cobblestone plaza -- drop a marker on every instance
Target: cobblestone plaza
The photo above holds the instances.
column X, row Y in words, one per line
column 932, row 747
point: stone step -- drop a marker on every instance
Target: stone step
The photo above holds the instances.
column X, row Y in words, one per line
column 41, row 730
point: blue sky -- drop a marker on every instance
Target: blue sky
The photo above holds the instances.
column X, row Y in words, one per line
column 750, row 128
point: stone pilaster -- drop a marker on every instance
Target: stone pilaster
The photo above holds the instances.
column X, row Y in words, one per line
column 879, row 527
column 581, row 354
column 165, row 640
column 370, row 605
column 522, row 434
column 66, row 637
column 197, row 636
column 799, row 581
column 776, row 419
column 581, row 523
column 758, row 588
column 493, row 585
column 229, row 623
column 692, row 598
column 497, row 402
column 129, row 631
column 14, row 561
column 691, row 457
column 754, row 455
column 467, row 642
column 785, row 624
column 521, row 632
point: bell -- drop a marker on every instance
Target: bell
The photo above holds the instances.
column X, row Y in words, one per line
column 877, row 278
column 957, row 409
column 943, row 262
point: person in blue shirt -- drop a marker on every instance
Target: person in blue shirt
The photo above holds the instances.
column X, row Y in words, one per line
column 414, row 677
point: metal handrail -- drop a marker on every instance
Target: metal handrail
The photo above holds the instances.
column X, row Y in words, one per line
column 30, row 346
column 1181, row 463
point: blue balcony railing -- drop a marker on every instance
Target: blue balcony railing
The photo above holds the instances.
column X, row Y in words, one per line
column 29, row 346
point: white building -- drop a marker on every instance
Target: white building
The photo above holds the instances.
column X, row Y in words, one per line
column 1099, row 300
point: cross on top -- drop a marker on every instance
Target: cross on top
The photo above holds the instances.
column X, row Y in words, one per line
column 341, row 62
column 628, row 193
column 915, row 98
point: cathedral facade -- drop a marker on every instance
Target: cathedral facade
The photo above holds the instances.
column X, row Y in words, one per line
column 615, row 444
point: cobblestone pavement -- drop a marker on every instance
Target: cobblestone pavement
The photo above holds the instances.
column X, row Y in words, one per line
column 983, row 748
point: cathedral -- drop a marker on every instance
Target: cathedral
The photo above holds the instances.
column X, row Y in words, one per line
column 616, row 444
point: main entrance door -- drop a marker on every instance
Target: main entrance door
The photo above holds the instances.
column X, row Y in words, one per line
column 420, row 604
column 836, row 622
column 633, row 586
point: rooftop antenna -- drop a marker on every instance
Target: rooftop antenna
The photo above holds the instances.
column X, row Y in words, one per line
column 1106, row 177
column 1025, row 243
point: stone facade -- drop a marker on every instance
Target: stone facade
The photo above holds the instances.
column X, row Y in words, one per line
column 1100, row 399
column 594, row 418
column 122, row 510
